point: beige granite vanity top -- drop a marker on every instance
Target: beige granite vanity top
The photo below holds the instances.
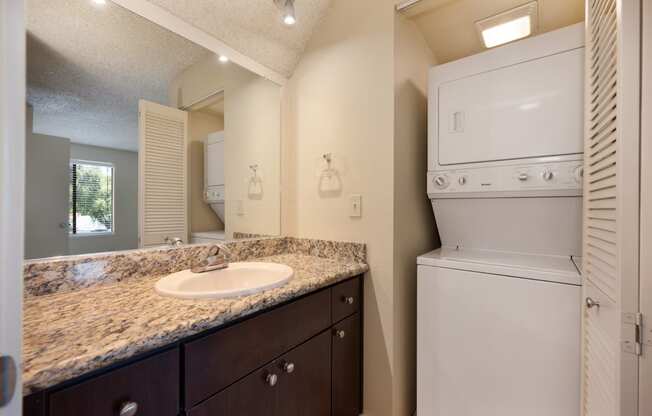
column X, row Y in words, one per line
column 70, row 333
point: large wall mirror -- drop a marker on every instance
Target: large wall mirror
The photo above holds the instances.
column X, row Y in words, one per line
column 137, row 137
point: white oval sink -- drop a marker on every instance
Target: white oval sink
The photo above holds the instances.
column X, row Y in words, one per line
column 238, row 279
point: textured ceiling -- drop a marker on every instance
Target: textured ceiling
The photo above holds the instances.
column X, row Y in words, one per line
column 253, row 27
column 88, row 65
column 449, row 25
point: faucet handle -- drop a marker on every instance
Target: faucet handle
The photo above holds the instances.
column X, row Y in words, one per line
column 213, row 251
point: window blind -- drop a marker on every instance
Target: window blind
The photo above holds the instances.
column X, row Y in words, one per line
column 91, row 197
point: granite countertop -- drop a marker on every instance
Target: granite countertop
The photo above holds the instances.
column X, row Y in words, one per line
column 68, row 334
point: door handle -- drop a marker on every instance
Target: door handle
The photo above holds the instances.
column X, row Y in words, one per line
column 592, row 303
column 7, row 379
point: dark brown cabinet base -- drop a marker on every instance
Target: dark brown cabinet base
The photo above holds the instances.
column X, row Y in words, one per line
column 300, row 358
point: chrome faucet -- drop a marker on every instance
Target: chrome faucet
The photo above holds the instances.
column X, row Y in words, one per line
column 214, row 261
column 175, row 242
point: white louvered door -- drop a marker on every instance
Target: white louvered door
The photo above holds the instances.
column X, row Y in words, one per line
column 163, row 178
column 611, row 208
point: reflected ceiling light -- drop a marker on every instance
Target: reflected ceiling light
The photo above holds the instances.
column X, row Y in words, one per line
column 99, row 2
column 514, row 24
column 287, row 11
column 224, row 59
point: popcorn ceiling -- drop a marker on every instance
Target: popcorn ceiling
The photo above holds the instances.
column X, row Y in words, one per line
column 254, row 27
column 88, row 65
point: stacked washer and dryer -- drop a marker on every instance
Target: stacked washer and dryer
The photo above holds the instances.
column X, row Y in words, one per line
column 499, row 303
column 214, row 187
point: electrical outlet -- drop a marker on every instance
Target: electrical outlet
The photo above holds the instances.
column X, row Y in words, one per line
column 355, row 206
column 239, row 207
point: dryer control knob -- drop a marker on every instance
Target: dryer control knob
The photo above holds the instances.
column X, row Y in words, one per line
column 462, row 180
column 523, row 177
column 440, row 181
column 547, row 175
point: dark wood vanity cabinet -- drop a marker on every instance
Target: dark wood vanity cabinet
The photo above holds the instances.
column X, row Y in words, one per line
column 299, row 358
column 150, row 385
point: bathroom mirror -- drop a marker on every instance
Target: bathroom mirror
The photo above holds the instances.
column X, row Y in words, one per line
column 137, row 137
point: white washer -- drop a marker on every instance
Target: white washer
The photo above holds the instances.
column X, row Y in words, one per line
column 207, row 237
column 498, row 334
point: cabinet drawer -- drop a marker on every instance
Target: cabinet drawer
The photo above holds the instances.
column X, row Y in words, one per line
column 346, row 299
column 216, row 361
column 153, row 384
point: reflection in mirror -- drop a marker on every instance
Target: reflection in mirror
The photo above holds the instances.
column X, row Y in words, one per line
column 137, row 137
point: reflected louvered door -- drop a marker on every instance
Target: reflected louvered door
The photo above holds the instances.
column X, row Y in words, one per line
column 611, row 170
column 163, row 179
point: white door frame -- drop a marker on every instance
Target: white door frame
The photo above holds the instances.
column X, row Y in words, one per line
column 12, row 177
column 645, row 363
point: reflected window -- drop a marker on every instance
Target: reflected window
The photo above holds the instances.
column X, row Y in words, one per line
column 91, row 198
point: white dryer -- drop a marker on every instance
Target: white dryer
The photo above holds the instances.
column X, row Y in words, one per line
column 498, row 306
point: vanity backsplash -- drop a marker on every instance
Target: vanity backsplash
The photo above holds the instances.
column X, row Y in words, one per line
column 70, row 273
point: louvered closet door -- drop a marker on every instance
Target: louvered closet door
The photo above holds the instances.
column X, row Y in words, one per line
column 610, row 262
column 163, row 209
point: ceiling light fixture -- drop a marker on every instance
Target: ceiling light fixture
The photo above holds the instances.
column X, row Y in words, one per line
column 224, row 59
column 514, row 24
column 287, row 11
column 99, row 2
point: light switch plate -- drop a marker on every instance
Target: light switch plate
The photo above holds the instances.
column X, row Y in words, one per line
column 239, row 207
column 355, row 206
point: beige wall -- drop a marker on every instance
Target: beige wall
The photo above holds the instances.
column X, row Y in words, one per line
column 202, row 217
column 125, row 201
column 340, row 100
column 203, row 78
column 415, row 231
column 252, row 136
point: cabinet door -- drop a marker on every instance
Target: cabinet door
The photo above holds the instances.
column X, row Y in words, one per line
column 346, row 374
column 254, row 395
column 297, row 384
column 305, row 382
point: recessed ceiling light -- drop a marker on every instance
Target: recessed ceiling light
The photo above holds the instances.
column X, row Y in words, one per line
column 289, row 19
column 224, row 59
column 99, row 2
column 514, row 24
column 287, row 11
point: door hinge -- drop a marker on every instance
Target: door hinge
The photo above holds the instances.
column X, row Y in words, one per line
column 633, row 339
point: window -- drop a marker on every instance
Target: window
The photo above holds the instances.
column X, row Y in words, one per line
column 91, row 197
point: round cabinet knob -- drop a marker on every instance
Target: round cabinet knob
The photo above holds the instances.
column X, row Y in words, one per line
column 578, row 174
column 592, row 303
column 349, row 300
column 462, row 180
column 340, row 333
column 441, row 181
column 271, row 379
column 547, row 175
column 129, row 409
column 288, row 367
column 523, row 177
